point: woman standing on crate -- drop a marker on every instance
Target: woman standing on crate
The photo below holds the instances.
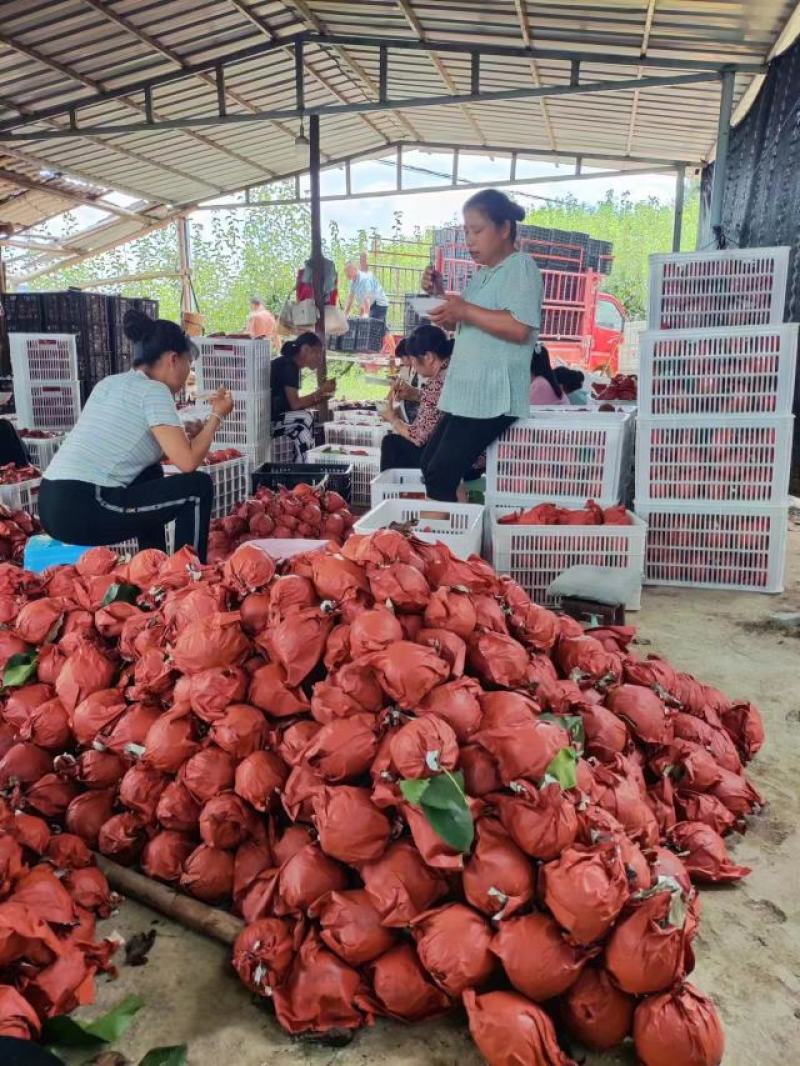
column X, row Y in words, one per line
column 496, row 322
column 292, row 417
column 106, row 483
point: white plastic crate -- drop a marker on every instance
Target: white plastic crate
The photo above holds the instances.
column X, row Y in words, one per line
column 398, row 485
column 720, row 546
column 231, row 480
column 24, row 496
column 237, row 363
column 458, row 525
column 356, row 418
column 745, row 371
column 568, row 457
column 724, row 460
column 534, row 556
column 359, row 436
column 706, row 290
column 48, row 357
column 55, row 406
column 41, row 450
column 366, row 464
column 248, row 423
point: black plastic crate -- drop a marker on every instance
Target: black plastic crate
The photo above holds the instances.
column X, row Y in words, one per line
column 121, row 347
column 363, row 335
column 23, row 312
column 86, row 315
column 274, row 475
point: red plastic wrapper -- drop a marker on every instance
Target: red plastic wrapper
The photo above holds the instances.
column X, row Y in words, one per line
column 737, row 793
column 511, row 732
column 689, row 764
column 542, row 822
column 402, row 585
column 24, row 764
column 95, row 562
column 534, row 626
column 18, row 1019
column 47, row 726
column 429, row 844
column 208, row 772
column 456, row 703
column 451, row 609
column 10, row 644
column 407, row 672
column 351, row 927
column 453, row 944
column 255, row 612
column 216, row 640
column 297, row 642
column 537, row 957
column 21, row 702
column 141, row 788
column 170, row 741
column 681, row 1026
column 498, row 877
column 240, row 731
column 96, row 713
column 446, row 644
column 343, row 749
column 99, row 769
column 128, row 735
column 400, row 885
column 62, row 986
column 31, row 832
column 211, row 691
column 249, row 569
column 208, row 874
column 177, row 809
column 350, row 826
column 44, row 894
column 226, row 821
column 139, row 633
column 596, row 1012
column 110, row 621
column 337, row 651
column 650, row 949
column 68, row 852
column 263, row 953
column 12, row 863
column 704, row 854
column 293, row 839
column 50, row 795
column 619, row 795
column 423, row 747
column 289, row 594
column 402, row 986
column 715, row 741
column 511, row 1031
column 702, row 807
column 165, row 854
column 605, row 734
column 480, row 771
column 90, row 890
column 85, row 671
column 39, row 621
column 336, row 578
column 585, row 890
column 498, row 659
column 293, row 740
column 270, row 691
column 88, row 812
column 122, row 838
column 745, row 726
column 153, row 674
column 585, row 659
column 321, row 993
column 644, row 712
column 259, row 777
column 306, row 876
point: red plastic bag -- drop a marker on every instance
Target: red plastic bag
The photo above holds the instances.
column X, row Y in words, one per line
column 736, row 793
column 110, row 621
column 681, row 1026
column 400, row 884
column 129, row 732
column 534, row 626
column 170, row 741
column 29, row 831
column 306, row 876
column 336, row 578
column 704, row 854
column 350, row 826
column 68, row 852
column 596, row 1012
column 423, row 747
column 85, row 671
column 99, row 769
column 121, row 838
column 90, row 889
column 39, row 621
column 297, row 642
column 715, row 741
column 96, row 713
column 263, row 953
column 650, row 949
column 498, row 659
column 451, row 609
column 537, row 957
column 24, row 764
column 216, row 640
column 584, row 659
column 269, row 691
column 510, row 1031
column 88, row 812
column 50, row 795
column 453, row 944
column 21, row 702
column 226, row 821
column 48, row 726
column 255, row 612
column 165, row 854
column 402, row 986
column 208, row 874
column 140, row 789
column 351, row 927
column 702, row 807
column 643, row 711
column 606, row 735
column 50, row 663
column 458, row 704
column 585, row 890
column 446, row 644
column 248, row 569
column 18, row 1019
column 407, row 672
column 240, row 731
column 177, row 809
column 745, row 726
column 402, row 585
column 210, row 691
column 259, row 777
column 95, row 562
column 542, row 822
column 344, row 748
column 512, row 733
column 620, row 796
column 208, row 772
column 480, row 771
column 498, row 877
column 44, row 894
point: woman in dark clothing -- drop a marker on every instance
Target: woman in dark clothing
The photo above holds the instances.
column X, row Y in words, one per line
column 292, row 416
column 12, row 450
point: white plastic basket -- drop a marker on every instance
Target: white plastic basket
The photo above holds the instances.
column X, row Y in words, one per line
column 24, row 496
column 534, row 556
column 720, row 546
column 235, row 363
column 706, row 290
column 359, row 436
column 357, row 418
column 724, row 460
column 366, row 463
column 249, row 422
column 745, row 371
column 398, row 485
column 568, row 457
column 47, row 405
column 231, row 480
column 42, row 450
column 43, row 357
column 458, row 525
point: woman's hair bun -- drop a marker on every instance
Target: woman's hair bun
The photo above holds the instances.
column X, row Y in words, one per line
column 517, row 212
column 137, row 326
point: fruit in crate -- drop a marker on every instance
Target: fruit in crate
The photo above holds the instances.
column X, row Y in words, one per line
column 550, row 514
column 222, row 456
column 35, row 434
column 13, row 475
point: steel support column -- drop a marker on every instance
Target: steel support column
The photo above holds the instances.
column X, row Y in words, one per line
column 721, row 160
column 677, row 226
column 317, row 263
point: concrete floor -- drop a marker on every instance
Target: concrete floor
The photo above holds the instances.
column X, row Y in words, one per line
column 748, row 948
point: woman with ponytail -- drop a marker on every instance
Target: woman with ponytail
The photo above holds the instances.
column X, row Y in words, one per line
column 430, row 351
column 106, row 483
column 291, row 414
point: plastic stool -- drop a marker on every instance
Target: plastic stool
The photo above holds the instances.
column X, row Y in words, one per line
column 42, row 551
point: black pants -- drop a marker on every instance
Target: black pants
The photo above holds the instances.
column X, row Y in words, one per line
column 397, row 453
column 378, row 312
column 80, row 513
column 452, row 450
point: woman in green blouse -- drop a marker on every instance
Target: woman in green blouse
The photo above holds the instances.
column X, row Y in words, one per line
column 496, row 322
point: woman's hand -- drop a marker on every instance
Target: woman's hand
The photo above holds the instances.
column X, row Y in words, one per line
column 221, row 403
column 451, row 311
column 404, row 391
column 327, row 388
column 426, row 282
column 386, row 413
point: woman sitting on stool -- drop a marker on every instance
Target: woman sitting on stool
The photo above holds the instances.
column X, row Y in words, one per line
column 291, row 414
column 106, row 483
column 430, row 352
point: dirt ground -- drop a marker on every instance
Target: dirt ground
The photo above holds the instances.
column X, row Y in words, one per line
column 748, row 949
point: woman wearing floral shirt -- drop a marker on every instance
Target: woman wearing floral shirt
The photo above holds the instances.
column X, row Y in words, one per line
column 430, row 349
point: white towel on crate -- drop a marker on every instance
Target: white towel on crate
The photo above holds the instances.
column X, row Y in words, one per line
column 603, row 584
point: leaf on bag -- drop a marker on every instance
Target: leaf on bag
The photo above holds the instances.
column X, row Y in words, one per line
column 166, row 1056
column 573, row 723
column 138, row 948
column 563, row 769
column 414, row 788
column 20, row 668
column 120, row 593
column 445, row 807
column 103, row 1030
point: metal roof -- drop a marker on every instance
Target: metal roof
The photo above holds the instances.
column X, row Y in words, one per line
column 175, row 102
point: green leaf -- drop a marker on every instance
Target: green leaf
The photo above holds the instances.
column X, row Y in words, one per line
column 103, row 1030
column 120, row 594
column 414, row 788
column 20, row 668
column 573, row 723
column 453, row 825
column 562, row 768
column 444, row 790
column 166, row 1056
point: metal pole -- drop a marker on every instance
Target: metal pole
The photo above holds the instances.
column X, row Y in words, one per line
column 317, row 264
column 677, row 229
column 185, row 257
column 721, row 161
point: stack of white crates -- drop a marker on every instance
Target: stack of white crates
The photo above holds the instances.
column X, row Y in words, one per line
column 47, row 391
column 243, row 366
column 713, row 441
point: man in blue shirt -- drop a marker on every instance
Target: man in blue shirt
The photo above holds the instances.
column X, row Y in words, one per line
column 366, row 292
